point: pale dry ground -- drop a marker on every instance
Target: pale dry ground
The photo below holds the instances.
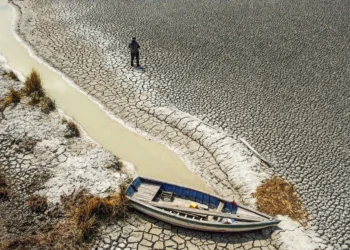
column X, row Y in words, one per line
column 273, row 72
column 36, row 158
column 90, row 53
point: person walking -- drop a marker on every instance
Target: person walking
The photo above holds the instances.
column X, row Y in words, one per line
column 134, row 50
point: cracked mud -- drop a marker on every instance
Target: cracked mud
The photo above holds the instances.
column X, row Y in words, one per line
column 37, row 158
column 273, row 72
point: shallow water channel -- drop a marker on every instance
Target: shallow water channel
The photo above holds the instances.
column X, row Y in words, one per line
column 150, row 158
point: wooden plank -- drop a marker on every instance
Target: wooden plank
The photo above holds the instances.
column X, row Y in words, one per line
column 204, row 212
column 147, row 191
column 192, row 214
column 220, row 207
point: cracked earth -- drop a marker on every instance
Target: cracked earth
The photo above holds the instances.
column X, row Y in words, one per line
column 36, row 158
column 272, row 72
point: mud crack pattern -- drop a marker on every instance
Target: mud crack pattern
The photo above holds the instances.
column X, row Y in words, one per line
column 273, row 72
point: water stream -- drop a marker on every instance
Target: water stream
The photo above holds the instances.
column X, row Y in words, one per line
column 150, row 158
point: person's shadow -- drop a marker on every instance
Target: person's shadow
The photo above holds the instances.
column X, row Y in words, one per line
column 140, row 69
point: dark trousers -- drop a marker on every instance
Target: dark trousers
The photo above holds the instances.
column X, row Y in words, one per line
column 137, row 55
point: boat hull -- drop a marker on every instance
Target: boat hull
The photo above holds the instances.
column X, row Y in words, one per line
column 197, row 225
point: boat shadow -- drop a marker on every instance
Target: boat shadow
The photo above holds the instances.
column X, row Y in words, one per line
column 239, row 238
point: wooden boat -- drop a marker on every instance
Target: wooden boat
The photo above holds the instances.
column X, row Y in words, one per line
column 190, row 208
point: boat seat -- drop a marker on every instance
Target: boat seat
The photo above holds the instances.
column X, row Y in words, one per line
column 220, row 207
column 147, row 191
column 164, row 195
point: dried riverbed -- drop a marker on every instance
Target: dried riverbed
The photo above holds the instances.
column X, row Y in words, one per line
column 274, row 72
column 221, row 160
column 36, row 158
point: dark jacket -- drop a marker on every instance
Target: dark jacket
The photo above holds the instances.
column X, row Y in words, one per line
column 134, row 47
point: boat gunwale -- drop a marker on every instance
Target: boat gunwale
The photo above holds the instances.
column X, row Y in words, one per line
column 252, row 225
column 269, row 218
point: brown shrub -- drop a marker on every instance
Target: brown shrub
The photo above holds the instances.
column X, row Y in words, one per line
column 35, row 98
column 278, row 196
column 73, row 130
column 13, row 96
column 4, row 194
column 84, row 214
column 20, row 243
column 13, row 76
column 37, row 203
column 4, row 190
column 33, row 84
column 3, row 181
column 117, row 165
column 47, row 105
column 93, row 210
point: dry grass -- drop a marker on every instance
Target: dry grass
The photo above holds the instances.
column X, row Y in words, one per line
column 85, row 213
column 13, row 76
column 13, row 96
column 94, row 210
column 278, row 196
column 20, row 243
column 4, row 194
column 73, row 130
column 115, row 164
column 37, row 203
column 34, row 98
column 3, row 181
column 4, row 190
column 34, row 89
column 47, row 105
column 33, row 84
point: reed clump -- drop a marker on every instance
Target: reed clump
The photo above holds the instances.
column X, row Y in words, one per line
column 32, row 88
column 13, row 96
column 35, row 98
column 33, row 83
column 47, row 105
column 13, row 76
column 73, row 130
column 85, row 213
column 37, row 203
column 277, row 196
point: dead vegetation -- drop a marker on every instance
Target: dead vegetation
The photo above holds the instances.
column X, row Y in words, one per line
column 13, row 76
column 33, row 84
column 47, row 105
column 34, row 99
column 4, row 194
column 278, row 196
column 37, row 203
column 3, row 181
column 32, row 88
column 115, row 164
column 85, row 213
column 73, row 130
column 13, row 96
column 4, row 190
